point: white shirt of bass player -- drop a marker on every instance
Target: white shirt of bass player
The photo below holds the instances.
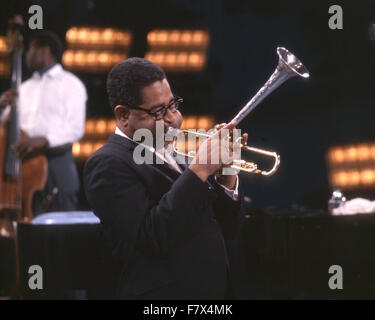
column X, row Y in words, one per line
column 53, row 106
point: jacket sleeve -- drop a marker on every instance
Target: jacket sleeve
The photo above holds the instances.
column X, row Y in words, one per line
column 122, row 202
column 229, row 213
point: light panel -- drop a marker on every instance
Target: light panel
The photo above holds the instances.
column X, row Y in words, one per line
column 91, row 60
column 104, row 38
column 198, row 39
column 182, row 51
column 352, row 154
column 84, row 149
column 354, row 178
column 99, row 128
column 178, row 61
column 4, row 58
column 95, row 50
column 198, row 122
column 3, row 45
column 352, row 166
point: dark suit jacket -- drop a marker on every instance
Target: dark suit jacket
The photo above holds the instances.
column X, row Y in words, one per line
column 165, row 229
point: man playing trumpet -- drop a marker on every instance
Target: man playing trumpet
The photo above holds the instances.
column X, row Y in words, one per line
column 167, row 224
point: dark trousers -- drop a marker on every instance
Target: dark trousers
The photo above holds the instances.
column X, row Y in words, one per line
column 61, row 191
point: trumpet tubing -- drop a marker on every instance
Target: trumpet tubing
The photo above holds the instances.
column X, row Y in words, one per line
column 239, row 164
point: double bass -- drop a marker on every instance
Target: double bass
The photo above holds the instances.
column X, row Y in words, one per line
column 19, row 178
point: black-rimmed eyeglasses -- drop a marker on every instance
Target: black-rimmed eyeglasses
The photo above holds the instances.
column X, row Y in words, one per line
column 159, row 112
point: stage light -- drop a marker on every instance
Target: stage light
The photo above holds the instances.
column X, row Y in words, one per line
column 198, row 122
column 349, row 179
column 4, row 58
column 101, row 38
column 178, row 50
column 351, row 154
column 91, row 61
column 363, row 153
column 95, row 50
column 352, row 166
column 174, row 61
column 189, row 123
column 368, row 176
column 97, row 132
column 3, row 46
column 76, row 149
column 84, row 149
column 162, row 39
column 99, row 128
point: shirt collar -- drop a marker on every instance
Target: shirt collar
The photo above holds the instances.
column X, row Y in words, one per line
column 120, row 133
column 50, row 72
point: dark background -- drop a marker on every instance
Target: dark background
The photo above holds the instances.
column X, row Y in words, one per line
column 300, row 120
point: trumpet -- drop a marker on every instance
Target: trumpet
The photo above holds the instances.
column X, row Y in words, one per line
column 289, row 66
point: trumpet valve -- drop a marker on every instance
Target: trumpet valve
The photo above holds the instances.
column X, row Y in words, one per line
column 244, row 166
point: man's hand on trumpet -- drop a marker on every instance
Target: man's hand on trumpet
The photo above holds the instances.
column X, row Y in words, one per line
column 229, row 181
column 213, row 153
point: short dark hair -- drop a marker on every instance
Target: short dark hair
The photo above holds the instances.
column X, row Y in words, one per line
column 48, row 39
column 127, row 78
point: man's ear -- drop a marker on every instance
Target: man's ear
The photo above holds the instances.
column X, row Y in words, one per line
column 122, row 114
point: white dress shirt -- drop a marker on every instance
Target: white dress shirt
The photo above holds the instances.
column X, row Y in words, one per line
column 166, row 155
column 53, row 106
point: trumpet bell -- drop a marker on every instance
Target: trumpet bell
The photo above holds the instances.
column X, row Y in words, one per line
column 289, row 66
column 289, row 61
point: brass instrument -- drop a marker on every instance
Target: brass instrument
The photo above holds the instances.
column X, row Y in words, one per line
column 288, row 67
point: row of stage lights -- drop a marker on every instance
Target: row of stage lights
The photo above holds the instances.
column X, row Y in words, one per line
column 198, row 39
column 178, row 50
column 110, row 37
column 353, row 179
column 98, row 130
column 97, row 50
column 354, row 153
column 353, row 166
column 95, row 61
column 177, row 61
column 3, row 45
column 96, row 37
